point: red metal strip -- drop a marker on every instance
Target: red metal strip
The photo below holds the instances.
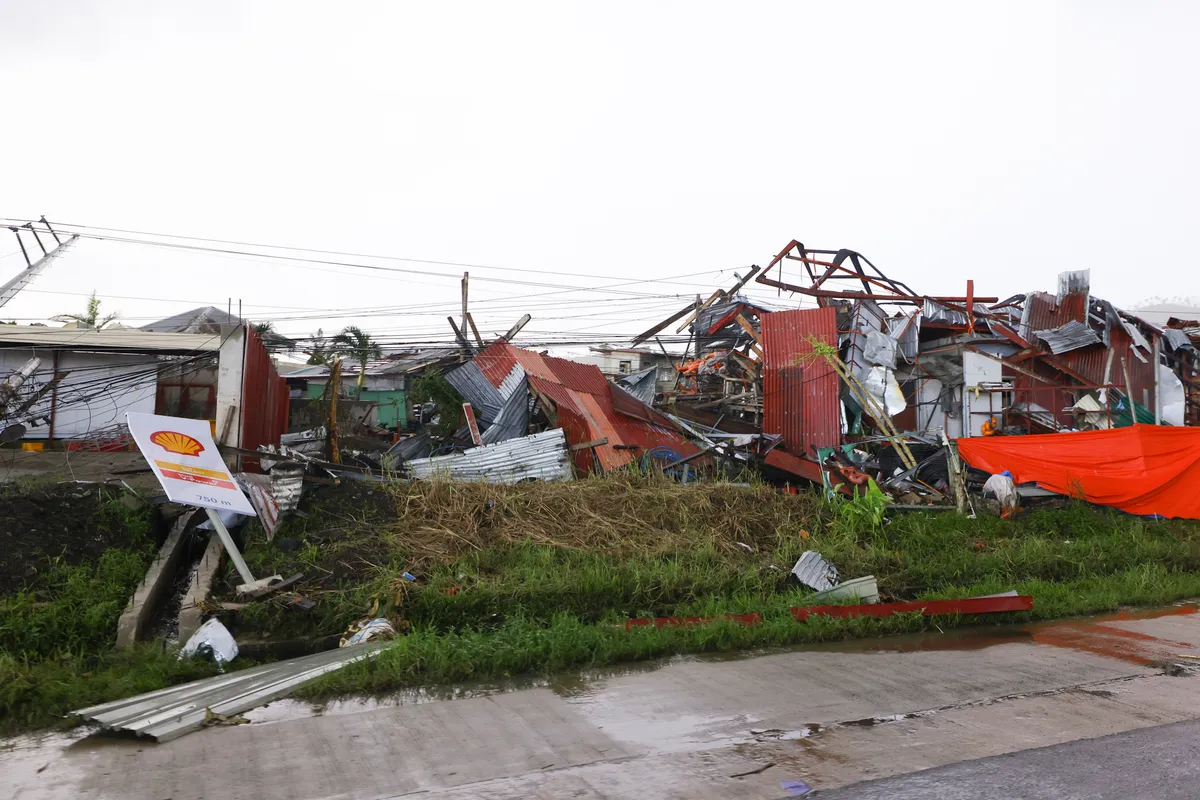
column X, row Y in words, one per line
column 928, row 608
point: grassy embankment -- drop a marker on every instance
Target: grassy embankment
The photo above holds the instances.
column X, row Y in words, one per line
column 536, row 578
column 58, row 619
column 539, row 577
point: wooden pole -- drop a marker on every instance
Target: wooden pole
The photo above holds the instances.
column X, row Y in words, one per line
column 335, row 382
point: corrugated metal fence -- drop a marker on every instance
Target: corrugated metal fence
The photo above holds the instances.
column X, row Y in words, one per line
column 264, row 399
column 800, row 394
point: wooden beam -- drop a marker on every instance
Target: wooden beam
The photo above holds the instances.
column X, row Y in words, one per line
column 748, row 328
column 474, row 330
column 515, row 329
column 575, row 448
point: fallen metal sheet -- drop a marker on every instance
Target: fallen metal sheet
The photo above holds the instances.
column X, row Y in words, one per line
column 542, row 456
column 1065, row 338
column 170, row 713
column 642, row 385
column 815, row 572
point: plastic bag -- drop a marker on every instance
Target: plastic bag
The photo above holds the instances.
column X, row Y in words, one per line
column 881, row 384
column 1005, row 490
column 212, row 639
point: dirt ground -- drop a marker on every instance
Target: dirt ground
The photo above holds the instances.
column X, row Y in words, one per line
column 53, row 525
column 129, row 466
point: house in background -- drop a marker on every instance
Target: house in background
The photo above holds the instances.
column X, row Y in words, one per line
column 615, row 362
column 385, row 385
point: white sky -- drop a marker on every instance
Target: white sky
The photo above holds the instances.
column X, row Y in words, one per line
column 610, row 142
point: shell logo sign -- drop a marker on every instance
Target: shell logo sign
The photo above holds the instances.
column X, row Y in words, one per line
column 179, row 443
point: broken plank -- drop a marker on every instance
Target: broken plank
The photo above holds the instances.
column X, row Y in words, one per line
column 575, row 448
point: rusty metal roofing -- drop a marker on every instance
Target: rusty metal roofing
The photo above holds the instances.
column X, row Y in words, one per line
column 1043, row 312
column 801, row 397
column 584, row 401
column 1070, row 336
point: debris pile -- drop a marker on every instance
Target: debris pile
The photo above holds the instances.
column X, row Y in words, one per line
column 854, row 376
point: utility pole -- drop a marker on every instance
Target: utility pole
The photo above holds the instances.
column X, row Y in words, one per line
column 32, row 268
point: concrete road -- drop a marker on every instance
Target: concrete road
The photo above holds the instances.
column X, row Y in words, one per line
column 1157, row 763
column 741, row 727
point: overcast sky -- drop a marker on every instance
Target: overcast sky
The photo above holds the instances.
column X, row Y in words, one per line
column 611, row 143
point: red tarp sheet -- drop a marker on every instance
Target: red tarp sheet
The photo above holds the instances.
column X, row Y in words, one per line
column 1143, row 469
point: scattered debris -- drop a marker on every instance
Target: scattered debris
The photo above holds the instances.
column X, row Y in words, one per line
column 367, row 630
column 795, row 788
column 212, row 640
column 864, row 589
column 815, row 572
column 758, row 771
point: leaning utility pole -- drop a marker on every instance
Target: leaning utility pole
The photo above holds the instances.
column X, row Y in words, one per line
column 33, row 268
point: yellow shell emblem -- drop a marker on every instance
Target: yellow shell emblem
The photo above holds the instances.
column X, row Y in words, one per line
column 179, row 443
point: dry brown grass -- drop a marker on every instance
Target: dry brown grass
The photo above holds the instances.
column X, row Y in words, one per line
column 437, row 521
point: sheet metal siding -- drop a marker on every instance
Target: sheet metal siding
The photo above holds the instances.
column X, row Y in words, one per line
column 1067, row 337
column 542, row 456
column 801, row 402
column 512, row 421
column 264, row 400
column 1043, row 312
column 469, row 381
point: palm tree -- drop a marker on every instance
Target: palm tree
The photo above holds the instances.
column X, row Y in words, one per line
column 319, row 352
column 91, row 317
column 355, row 343
column 272, row 339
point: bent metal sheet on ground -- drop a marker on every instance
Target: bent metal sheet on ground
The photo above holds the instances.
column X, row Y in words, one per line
column 186, row 462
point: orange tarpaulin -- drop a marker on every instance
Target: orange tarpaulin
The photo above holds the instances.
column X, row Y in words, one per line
column 1142, row 469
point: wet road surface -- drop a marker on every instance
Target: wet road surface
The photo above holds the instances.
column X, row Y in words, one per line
column 714, row 727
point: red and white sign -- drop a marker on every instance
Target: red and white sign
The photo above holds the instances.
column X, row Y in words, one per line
column 186, row 462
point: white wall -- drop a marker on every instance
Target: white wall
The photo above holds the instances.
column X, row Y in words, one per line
column 100, row 389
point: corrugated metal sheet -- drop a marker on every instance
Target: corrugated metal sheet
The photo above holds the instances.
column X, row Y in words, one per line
column 934, row 311
column 1068, row 337
column 865, row 317
column 514, row 381
column 1176, row 339
column 1074, row 282
column 642, row 385
column 542, row 456
column 584, row 401
column 127, row 339
column 287, row 484
column 469, row 381
column 801, row 398
column 265, row 406
column 170, row 713
column 907, row 330
column 1043, row 312
column 513, row 419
